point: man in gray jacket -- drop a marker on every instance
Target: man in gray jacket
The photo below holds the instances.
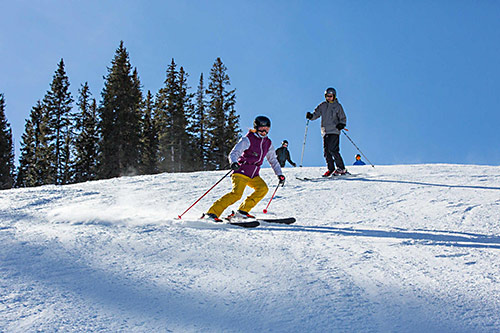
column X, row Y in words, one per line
column 333, row 120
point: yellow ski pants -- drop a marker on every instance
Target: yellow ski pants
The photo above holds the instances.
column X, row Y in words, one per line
column 240, row 182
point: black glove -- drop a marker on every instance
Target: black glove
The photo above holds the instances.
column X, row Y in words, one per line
column 235, row 166
column 282, row 180
column 309, row 115
column 294, row 165
column 340, row 126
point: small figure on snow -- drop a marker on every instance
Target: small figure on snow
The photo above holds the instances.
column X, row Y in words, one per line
column 246, row 159
column 333, row 121
column 283, row 154
column 358, row 160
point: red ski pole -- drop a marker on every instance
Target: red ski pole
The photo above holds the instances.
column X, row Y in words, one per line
column 227, row 174
column 265, row 209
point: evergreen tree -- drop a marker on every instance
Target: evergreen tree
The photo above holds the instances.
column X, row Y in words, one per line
column 35, row 166
column 197, row 128
column 172, row 105
column 164, row 109
column 6, row 150
column 120, row 122
column 27, row 173
column 222, row 123
column 184, row 141
column 149, row 140
column 58, row 103
column 87, row 141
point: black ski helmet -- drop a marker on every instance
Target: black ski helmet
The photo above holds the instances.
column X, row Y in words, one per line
column 261, row 121
column 331, row 91
column 284, row 142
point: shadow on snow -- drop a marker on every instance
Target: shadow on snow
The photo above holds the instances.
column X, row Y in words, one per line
column 475, row 187
column 423, row 237
column 160, row 306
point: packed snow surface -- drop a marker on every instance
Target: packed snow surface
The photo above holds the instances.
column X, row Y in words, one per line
column 408, row 248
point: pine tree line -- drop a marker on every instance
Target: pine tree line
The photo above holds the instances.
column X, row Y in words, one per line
column 6, row 150
column 128, row 133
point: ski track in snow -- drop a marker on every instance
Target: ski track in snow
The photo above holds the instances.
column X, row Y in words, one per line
column 410, row 248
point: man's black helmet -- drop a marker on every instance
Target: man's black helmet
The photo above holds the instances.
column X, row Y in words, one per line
column 331, row 91
column 284, row 142
column 261, row 121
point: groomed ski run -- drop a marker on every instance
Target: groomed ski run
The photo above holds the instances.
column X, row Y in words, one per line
column 407, row 248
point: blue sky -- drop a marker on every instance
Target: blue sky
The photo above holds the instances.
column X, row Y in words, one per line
column 418, row 80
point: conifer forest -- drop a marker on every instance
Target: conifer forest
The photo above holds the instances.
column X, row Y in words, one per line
column 71, row 139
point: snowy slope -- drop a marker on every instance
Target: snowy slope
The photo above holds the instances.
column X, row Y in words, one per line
column 411, row 248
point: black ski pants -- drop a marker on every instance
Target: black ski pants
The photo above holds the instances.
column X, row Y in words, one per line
column 331, row 149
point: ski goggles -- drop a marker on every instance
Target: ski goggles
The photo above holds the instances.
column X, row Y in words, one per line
column 263, row 130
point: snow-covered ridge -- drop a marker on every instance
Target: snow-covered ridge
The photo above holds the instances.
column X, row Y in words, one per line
column 392, row 248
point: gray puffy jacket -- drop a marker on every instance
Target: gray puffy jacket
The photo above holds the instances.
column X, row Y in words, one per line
column 331, row 114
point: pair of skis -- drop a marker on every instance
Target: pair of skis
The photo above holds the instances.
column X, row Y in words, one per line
column 322, row 178
column 255, row 222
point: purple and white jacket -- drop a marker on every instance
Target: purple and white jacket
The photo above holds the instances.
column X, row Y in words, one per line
column 250, row 151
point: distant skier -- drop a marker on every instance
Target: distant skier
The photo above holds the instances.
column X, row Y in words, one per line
column 333, row 120
column 283, row 154
column 246, row 159
column 358, row 160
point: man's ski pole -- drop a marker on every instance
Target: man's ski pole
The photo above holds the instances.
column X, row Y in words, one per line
column 265, row 209
column 304, row 145
column 227, row 174
column 366, row 158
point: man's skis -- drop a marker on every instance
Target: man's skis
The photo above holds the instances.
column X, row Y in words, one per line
column 320, row 179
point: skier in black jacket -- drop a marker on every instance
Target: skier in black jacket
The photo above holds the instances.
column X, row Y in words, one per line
column 284, row 155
